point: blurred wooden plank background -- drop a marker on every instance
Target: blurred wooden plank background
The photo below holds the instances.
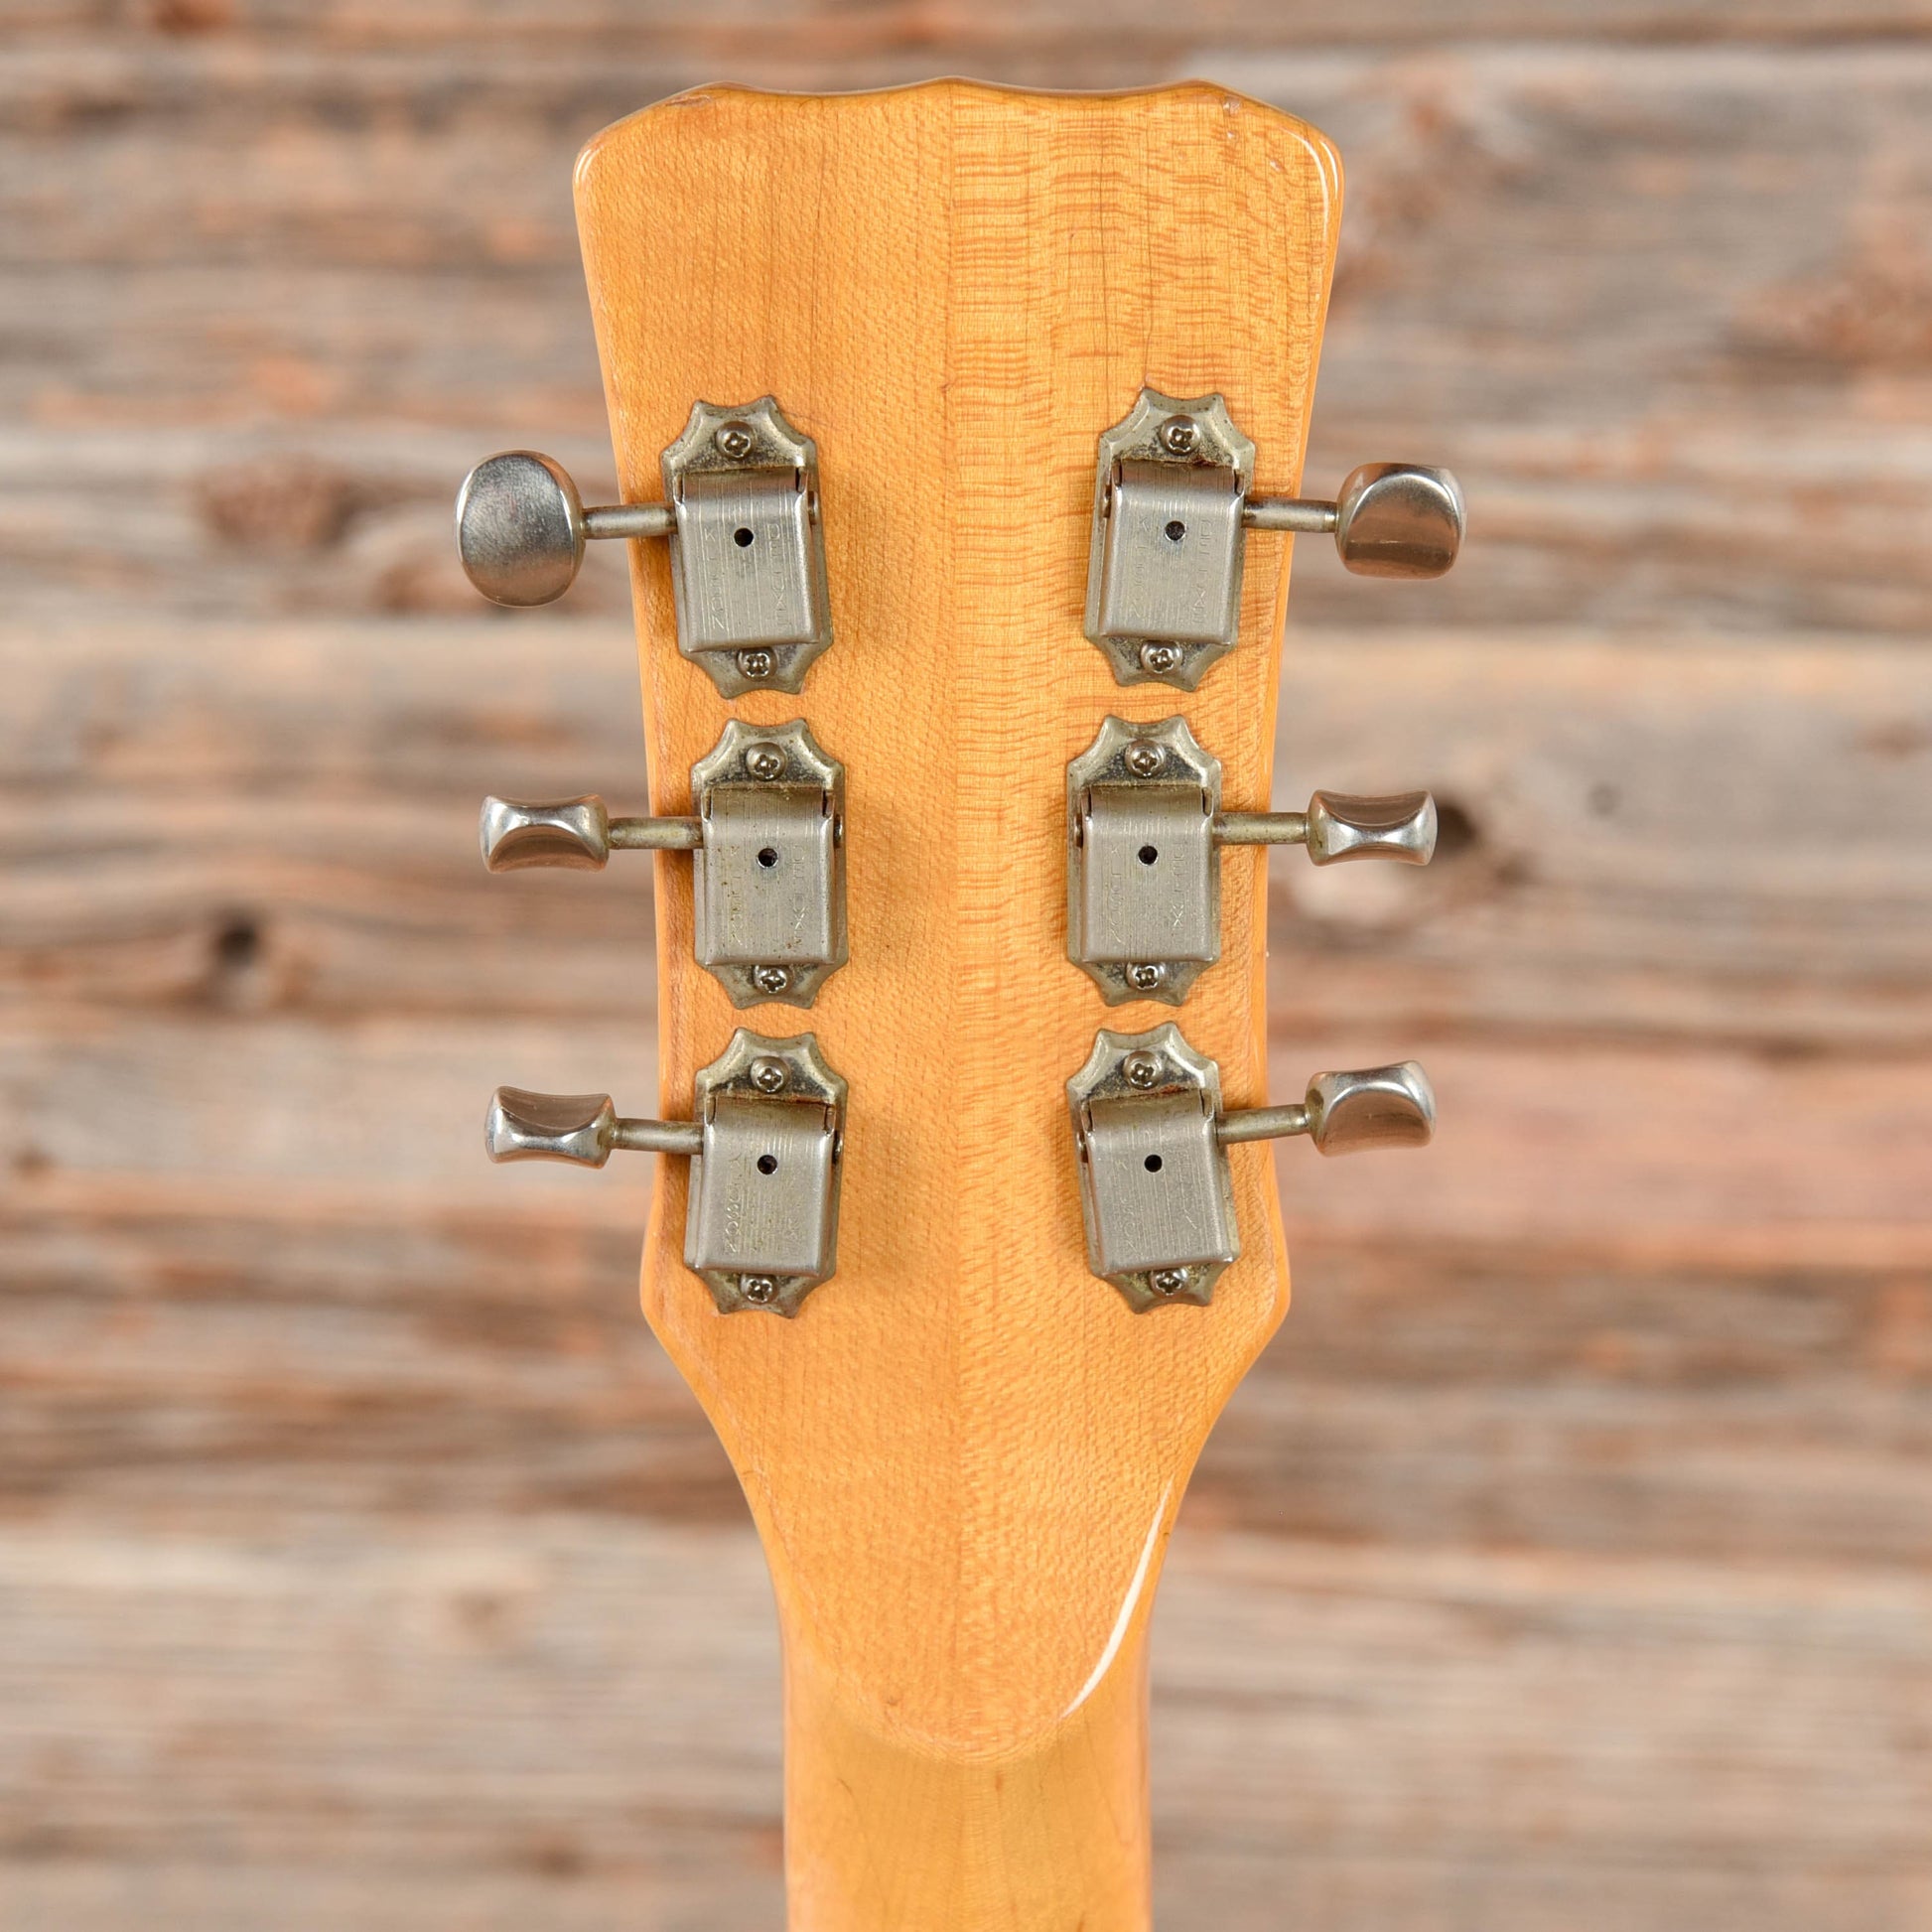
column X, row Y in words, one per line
column 1568, row 1560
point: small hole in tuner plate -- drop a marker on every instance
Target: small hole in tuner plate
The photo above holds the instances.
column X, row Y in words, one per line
column 742, row 537
column 1148, row 854
column 1175, row 531
column 768, row 856
column 1152, row 1164
column 768, row 1164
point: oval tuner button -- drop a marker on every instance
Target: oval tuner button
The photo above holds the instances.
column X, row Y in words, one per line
column 520, row 528
column 1398, row 519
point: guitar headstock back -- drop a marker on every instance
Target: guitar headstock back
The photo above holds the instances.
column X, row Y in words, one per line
column 916, row 313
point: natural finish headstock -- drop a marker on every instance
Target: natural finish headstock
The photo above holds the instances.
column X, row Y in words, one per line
column 966, row 1453
column 919, row 311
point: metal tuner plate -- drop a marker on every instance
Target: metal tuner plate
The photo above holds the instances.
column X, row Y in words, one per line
column 765, row 1145
column 1163, row 567
column 763, row 1225
column 769, row 875
column 1171, row 513
column 1155, row 1187
column 769, row 857
column 1145, row 832
column 1151, row 1140
column 1143, row 882
column 742, row 512
column 748, row 554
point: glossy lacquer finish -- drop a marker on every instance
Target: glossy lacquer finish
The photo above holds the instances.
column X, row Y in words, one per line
column 965, row 1452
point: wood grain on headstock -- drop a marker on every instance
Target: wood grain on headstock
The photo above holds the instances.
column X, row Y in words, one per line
column 966, row 1453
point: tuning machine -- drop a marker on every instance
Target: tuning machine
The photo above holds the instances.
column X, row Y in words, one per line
column 767, row 846
column 764, row 1143
column 1151, row 1138
column 1171, row 508
column 1144, row 829
column 741, row 511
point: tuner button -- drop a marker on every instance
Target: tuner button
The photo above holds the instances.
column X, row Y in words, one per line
column 1398, row 519
column 523, row 1126
column 1377, row 1106
column 574, row 833
column 1341, row 827
column 520, row 528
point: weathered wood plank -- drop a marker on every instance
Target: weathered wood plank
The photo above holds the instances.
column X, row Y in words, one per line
column 183, row 1198
column 919, row 38
column 1695, row 1151
column 1686, row 1148
column 347, row 1575
column 1663, row 308
column 1014, row 29
column 385, row 1770
column 1649, row 1721
column 571, row 1717
column 281, row 820
column 1422, row 1397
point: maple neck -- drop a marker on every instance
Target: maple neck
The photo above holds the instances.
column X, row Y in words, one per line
column 1050, row 1832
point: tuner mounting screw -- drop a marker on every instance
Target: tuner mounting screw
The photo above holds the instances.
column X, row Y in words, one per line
column 1179, row 435
column 757, row 1287
column 1168, row 1281
column 764, row 761
column 1142, row 1069
column 1158, row 658
column 1144, row 758
column 768, row 1076
column 735, row 441
column 755, row 663
column 1145, row 975
column 771, row 979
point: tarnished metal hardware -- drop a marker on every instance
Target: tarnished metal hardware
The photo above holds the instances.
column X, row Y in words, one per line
column 764, row 1143
column 1155, row 1186
column 1143, row 886
column 521, row 527
column 574, row 834
column 749, row 560
column 1340, row 827
column 1145, row 825
column 1172, row 505
column 763, row 1225
column 769, row 857
column 742, row 512
column 1388, row 519
column 1346, row 1113
column 1163, row 568
column 580, row 1127
column 1150, row 1136
column 769, row 875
